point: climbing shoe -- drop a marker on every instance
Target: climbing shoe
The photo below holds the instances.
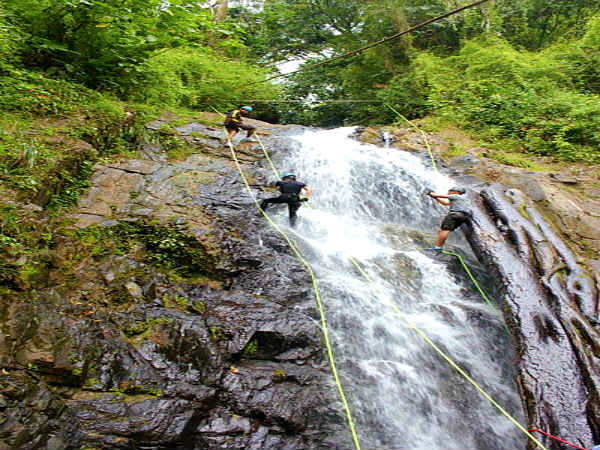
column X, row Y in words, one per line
column 434, row 249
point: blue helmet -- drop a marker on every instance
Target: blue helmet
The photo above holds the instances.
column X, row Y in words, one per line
column 247, row 108
column 287, row 175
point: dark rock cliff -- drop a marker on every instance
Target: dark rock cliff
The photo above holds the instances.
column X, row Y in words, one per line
column 551, row 306
column 167, row 315
column 170, row 317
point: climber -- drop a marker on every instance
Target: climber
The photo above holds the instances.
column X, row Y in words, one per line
column 290, row 193
column 460, row 212
column 233, row 123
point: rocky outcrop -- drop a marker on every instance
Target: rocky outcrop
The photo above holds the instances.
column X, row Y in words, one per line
column 171, row 318
column 551, row 307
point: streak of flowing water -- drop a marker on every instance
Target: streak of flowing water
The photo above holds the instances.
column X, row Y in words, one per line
column 367, row 204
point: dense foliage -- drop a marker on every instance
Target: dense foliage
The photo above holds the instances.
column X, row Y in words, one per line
column 199, row 79
column 174, row 53
column 548, row 101
column 522, row 72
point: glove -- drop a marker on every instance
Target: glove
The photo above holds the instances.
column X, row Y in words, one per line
column 304, row 199
column 429, row 192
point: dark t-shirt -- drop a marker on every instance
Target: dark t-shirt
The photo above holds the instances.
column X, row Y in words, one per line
column 290, row 188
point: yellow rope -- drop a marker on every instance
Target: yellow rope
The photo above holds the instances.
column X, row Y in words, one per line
column 448, row 359
column 323, row 319
column 422, row 133
column 268, row 157
column 462, row 262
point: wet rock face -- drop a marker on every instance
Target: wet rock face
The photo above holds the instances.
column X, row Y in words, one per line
column 551, row 295
column 551, row 306
column 173, row 318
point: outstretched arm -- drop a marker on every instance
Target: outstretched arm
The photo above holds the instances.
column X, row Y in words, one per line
column 440, row 198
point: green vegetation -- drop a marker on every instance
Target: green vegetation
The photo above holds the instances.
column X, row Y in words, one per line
column 250, row 349
column 532, row 98
column 199, row 79
column 217, row 334
column 522, row 73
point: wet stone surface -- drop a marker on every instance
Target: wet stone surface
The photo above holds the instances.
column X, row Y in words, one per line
column 155, row 345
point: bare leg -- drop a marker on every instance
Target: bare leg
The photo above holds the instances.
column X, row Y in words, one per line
column 232, row 134
column 442, row 236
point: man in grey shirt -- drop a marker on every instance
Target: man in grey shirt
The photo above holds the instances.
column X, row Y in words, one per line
column 460, row 212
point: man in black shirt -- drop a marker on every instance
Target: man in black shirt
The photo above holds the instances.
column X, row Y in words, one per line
column 460, row 212
column 290, row 193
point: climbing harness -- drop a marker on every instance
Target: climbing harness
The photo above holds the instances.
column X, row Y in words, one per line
column 323, row 320
column 556, row 439
column 398, row 312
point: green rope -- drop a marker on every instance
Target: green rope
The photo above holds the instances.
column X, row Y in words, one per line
column 448, row 359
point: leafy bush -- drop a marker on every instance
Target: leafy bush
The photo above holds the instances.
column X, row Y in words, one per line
column 199, row 79
column 106, row 44
column 534, row 98
column 31, row 92
column 8, row 39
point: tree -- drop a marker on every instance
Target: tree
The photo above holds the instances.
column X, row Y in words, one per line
column 106, row 43
column 222, row 8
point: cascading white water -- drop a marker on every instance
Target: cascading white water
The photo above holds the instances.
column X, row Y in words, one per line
column 404, row 396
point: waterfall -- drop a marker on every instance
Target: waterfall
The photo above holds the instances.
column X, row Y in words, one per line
column 369, row 204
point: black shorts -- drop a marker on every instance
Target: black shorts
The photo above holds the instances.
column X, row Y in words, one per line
column 453, row 220
column 238, row 126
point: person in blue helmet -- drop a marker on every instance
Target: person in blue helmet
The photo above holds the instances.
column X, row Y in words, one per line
column 234, row 123
column 290, row 190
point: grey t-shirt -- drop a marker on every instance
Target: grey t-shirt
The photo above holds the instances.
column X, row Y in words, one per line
column 458, row 203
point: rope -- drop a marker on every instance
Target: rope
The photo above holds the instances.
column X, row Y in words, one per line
column 268, row 157
column 462, row 262
column 373, row 44
column 460, row 258
column 422, row 133
column 323, row 319
column 448, row 359
column 556, row 439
